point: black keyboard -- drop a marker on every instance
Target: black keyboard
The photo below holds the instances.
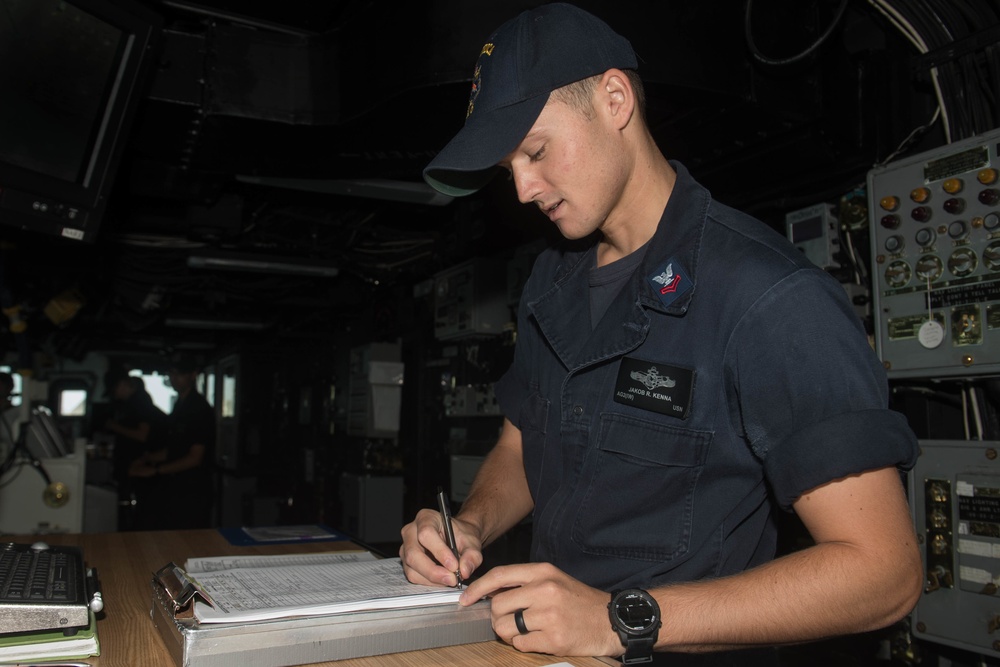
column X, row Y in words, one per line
column 42, row 587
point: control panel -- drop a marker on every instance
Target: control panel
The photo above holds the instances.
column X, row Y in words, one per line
column 30, row 211
column 813, row 230
column 471, row 300
column 935, row 221
column 471, row 401
column 955, row 500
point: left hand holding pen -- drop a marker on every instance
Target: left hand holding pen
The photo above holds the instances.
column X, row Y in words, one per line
column 562, row 615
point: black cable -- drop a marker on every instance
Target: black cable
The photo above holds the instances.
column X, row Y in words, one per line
column 20, row 444
column 778, row 62
column 979, row 15
column 17, row 443
column 921, row 15
column 972, row 14
column 993, row 82
column 10, row 431
column 981, row 66
column 14, row 477
column 976, row 101
column 981, row 108
column 965, row 68
column 918, row 14
column 8, row 462
column 953, row 19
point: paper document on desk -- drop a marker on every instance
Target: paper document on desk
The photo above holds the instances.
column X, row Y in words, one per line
column 259, row 592
column 218, row 563
column 20, row 647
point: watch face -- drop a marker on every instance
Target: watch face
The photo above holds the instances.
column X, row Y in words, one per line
column 635, row 612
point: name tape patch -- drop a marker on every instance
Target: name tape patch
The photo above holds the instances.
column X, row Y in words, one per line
column 657, row 387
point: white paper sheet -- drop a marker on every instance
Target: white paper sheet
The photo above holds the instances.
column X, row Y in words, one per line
column 246, row 594
column 195, row 566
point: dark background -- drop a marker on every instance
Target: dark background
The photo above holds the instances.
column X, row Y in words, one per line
column 786, row 112
column 332, row 94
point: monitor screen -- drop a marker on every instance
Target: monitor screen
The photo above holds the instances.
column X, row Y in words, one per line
column 69, row 71
column 54, row 90
column 43, row 437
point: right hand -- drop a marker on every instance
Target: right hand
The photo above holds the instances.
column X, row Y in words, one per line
column 427, row 559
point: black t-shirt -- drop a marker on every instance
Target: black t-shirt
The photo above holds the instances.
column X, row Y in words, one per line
column 184, row 499
column 607, row 281
column 137, row 409
column 192, row 422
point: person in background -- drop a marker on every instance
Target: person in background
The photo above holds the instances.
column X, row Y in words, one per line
column 681, row 371
column 136, row 423
column 138, row 426
column 182, row 469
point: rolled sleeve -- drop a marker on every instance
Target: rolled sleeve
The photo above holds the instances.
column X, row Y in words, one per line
column 838, row 447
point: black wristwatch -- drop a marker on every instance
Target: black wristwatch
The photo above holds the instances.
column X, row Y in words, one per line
column 635, row 616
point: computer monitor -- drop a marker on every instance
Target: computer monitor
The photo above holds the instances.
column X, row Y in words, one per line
column 43, row 438
column 70, row 72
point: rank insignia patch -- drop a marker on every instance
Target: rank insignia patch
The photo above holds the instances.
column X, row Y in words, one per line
column 670, row 281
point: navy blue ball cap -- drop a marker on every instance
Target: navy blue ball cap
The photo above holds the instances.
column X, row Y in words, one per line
column 526, row 58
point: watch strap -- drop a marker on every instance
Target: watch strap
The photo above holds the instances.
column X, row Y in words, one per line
column 638, row 650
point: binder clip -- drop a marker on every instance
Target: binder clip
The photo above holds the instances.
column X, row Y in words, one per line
column 180, row 590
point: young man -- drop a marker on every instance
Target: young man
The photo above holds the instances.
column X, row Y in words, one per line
column 674, row 381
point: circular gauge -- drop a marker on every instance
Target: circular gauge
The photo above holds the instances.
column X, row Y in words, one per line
column 962, row 262
column 898, row 274
column 929, row 267
column 991, row 256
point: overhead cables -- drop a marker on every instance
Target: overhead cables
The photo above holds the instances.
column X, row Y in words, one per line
column 906, row 28
column 802, row 55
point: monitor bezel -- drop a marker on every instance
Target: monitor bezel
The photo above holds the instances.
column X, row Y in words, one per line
column 39, row 202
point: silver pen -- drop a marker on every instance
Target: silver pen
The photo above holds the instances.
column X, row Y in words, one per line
column 449, row 532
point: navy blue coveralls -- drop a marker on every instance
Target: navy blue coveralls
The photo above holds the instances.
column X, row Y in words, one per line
column 730, row 374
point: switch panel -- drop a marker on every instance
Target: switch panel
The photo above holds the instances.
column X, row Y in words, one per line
column 935, row 234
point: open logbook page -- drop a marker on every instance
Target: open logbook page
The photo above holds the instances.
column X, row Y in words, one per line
column 264, row 588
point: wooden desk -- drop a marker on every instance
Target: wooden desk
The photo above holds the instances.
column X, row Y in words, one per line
column 126, row 561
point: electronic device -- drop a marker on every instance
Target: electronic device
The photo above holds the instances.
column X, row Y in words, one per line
column 935, row 235
column 635, row 616
column 954, row 494
column 470, row 299
column 44, row 588
column 43, row 438
column 813, row 230
column 70, row 71
column 52, row 499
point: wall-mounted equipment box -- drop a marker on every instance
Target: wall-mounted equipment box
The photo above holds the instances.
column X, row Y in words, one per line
column 935, row 233
column 471, row 300
column 954, row 493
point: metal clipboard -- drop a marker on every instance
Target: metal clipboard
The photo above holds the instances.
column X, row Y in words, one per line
column 308, row 639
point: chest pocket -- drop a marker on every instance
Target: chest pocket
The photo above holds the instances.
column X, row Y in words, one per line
column 638, row 489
